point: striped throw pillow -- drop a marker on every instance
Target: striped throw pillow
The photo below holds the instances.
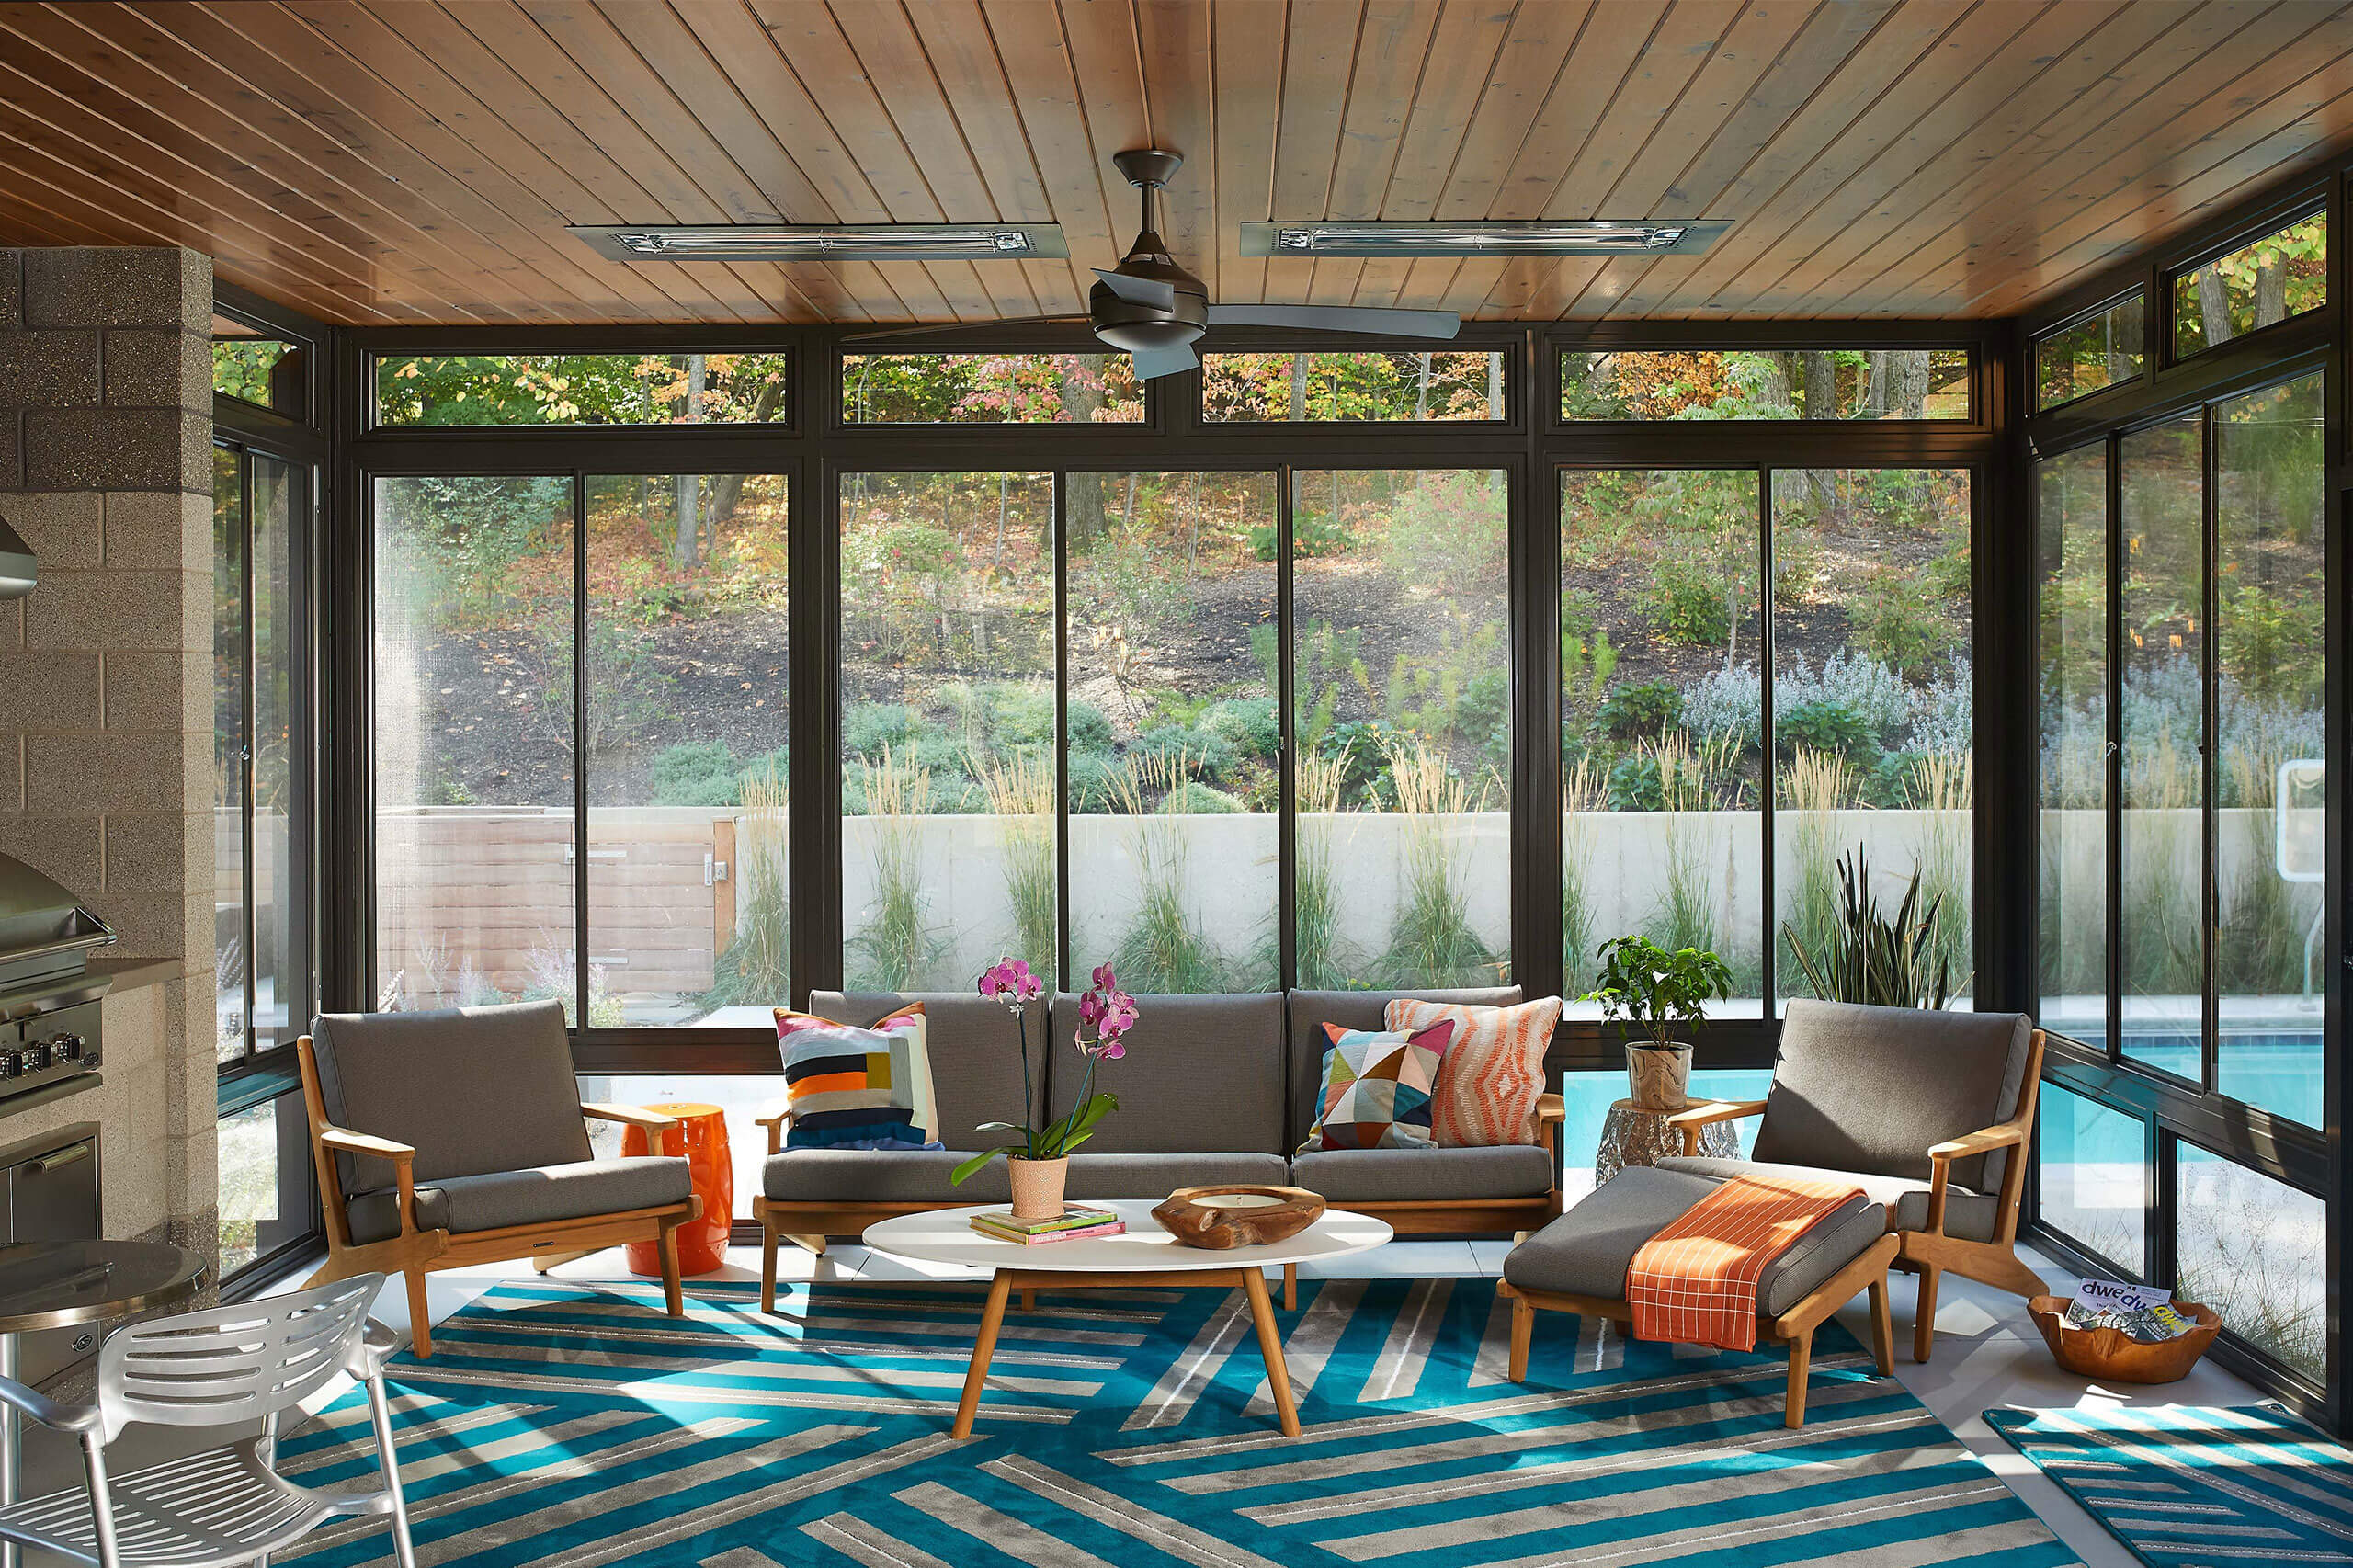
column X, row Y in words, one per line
column 1488, row 1087
column 853, row 1088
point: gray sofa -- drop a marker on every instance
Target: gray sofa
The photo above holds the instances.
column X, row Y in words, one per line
column 1213, row 1089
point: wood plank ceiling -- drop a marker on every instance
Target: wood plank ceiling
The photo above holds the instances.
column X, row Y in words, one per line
column 409, row 161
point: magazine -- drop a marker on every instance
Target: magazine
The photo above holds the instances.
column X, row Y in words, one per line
column 2142, row 1312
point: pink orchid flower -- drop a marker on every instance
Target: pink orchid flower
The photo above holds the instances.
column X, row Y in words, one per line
column 1009, row 980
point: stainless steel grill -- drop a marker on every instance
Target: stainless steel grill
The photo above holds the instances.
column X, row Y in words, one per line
column 48, row 1000
column 45, row 934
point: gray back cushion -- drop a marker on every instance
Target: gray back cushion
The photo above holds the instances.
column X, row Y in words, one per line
column 473, row 1090
column 1311, row 1010
column 1203, row 1075
column 975, row 1050
column 1870, row 1090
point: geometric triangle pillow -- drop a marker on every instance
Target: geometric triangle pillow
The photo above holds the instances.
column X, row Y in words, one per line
column 1377, row 1089
column 853, row 1088
column 1486, row 1094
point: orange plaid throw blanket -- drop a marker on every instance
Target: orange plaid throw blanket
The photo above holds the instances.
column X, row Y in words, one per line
column 1695, row 1282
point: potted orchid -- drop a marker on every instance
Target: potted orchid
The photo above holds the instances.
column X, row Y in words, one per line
column 1040, row 1163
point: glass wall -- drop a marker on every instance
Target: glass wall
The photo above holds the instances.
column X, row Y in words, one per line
column 2281, row 274
column 2270, row 603
column 1767, row 383
column 2160, row 942
column 990, row 389
column 474, row 746
column 2094, row 1168
column 1874, row 781
column 1400, row 687
column 1451, row 385
column 685, row 732
column 1662, row 718
column 2255, row 1250
column 2071, row 545
column 230, row 658
column 2093, row 353
column 948, row 726
column 1174, row 739
column 581, row 389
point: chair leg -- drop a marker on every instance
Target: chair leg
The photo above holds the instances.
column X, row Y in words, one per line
column 1882, row 1329
column 768, row 1269
column 673, row 1287
column 1801, row 1363
column 1029, row 1299
column 420, row 1320
column 379, row 1415
column 1523, row 1330
column 1291, row 1287
column 1924, row 1316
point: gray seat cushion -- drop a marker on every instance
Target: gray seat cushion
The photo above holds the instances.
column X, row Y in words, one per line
column 975, row 1046
column 1156, row 1175
column 1407, row 1176
column 1969, row 1216
column 1872, row 1088
column 576, row 1191
column 880, row 1175
column 1305, row 1041
column 1587, row 1251
column 473, row 1090
column 1203, row 1075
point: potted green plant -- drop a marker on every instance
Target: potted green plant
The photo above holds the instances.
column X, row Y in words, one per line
column 1874, row 958
column 1643, row 987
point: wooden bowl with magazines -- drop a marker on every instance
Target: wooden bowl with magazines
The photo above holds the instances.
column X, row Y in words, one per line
column 2112, row 1355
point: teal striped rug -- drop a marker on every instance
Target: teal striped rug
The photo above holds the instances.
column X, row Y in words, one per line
column 569, row 1426
column 2186, row 1486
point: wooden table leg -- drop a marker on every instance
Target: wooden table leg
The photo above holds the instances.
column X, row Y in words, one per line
column 1271, row 1345
column 984, row 1347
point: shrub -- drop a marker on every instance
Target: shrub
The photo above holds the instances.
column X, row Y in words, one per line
column 1312, row 533
column 1725, row 705
column 870, row 728
column 1095, row 779
column 1248, row 724
column 1859, row 682
column 1361, row 747
column 1198, row 799
column 1888, row 786
column 1641, row 709
column 1824, row 726
column 1018, row 715
column 1448, row 530
column 1203, row 754
column 1634, row 785
column 944, row 756
column 1685, row 600
column 697, row 773
column 1898, row 625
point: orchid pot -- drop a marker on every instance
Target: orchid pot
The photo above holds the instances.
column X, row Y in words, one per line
column 1037, row 1186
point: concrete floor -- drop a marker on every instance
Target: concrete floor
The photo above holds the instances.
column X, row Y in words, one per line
column 1987, row 1354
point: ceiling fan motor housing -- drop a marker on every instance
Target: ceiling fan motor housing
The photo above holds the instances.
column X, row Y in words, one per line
column 1140, row 327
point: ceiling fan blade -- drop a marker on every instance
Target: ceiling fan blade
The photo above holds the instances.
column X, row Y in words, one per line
column 1165, row 362
column 948, row 329
column 1341, row 318
column 1149, row 291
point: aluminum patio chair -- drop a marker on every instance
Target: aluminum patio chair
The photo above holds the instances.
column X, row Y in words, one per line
column 224, row 1368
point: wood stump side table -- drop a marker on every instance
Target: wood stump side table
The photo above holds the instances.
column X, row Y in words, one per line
column 702, row 1242
column 1632, row 1136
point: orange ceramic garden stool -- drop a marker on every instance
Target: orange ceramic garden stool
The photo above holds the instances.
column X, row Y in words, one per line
column 702, row 1242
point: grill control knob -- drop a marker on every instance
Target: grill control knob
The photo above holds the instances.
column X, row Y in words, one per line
column 7, row 1064
column 68, row 1047
column 33, row 1058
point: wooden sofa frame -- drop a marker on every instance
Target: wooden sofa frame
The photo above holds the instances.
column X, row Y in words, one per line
column 418, row 1252
column 1794, row 1328
column 1928, row 1252
column 809, row 1224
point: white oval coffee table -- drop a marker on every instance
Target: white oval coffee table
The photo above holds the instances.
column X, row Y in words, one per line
column 1146, row 1256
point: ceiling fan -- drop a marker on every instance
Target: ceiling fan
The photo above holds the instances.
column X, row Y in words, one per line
column 1154, row 309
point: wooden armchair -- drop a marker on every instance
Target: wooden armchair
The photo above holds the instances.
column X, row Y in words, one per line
column 1928, row 1112
column 449, row 1138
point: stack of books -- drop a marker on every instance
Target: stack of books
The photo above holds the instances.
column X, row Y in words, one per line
column 1070, row 1225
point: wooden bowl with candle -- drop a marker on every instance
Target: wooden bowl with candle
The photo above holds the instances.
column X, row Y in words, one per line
column 1237, row 1216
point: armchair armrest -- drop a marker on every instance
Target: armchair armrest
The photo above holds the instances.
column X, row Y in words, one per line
column 629, row 1115
column 1690, row 1119
column 776, row 1116
column 1550, row 1109
column 402, row 1157
column 377, row 1345
column 1984, row 1141
column 37, row 1406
